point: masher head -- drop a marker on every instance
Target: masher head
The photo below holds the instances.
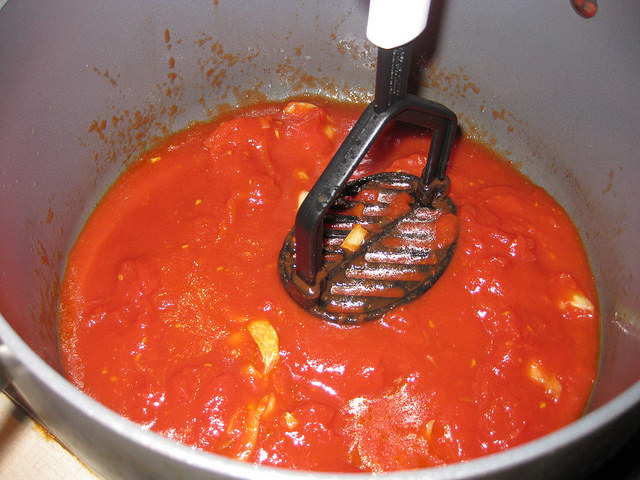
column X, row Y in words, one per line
column 381, row 248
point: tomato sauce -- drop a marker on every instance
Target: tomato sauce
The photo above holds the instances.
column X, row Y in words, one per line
column 173, row 313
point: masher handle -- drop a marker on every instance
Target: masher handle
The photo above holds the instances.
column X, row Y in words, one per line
column 392, row 76
column 392, row 26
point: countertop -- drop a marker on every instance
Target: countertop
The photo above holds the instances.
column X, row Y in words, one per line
column 27, row 452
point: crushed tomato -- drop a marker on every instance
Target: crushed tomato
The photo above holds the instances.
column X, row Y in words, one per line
column 173, row 314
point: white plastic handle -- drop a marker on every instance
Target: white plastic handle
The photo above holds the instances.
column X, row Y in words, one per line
column 392, row 23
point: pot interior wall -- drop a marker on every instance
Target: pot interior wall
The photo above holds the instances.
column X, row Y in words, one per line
column 558, row 94
column 85, row 87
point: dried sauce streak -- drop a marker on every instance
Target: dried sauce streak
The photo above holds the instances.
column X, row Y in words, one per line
column 173, row 313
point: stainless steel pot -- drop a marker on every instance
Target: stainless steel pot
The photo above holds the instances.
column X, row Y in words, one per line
column 84, row 85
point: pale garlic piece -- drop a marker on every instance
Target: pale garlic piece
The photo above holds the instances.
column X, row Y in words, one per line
column 249, row 435
column 298, row 108
column 579, row 301
column 267, row 340
column 290, row 420
column 428, row 429
column 301, row 196
column 301, row 174
column 329, row 131
column 265, row 123
column 267, row 405
column 550, row 382
column 248, row 423
column 354, row 240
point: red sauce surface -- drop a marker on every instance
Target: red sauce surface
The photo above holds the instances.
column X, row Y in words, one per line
column 173, row 313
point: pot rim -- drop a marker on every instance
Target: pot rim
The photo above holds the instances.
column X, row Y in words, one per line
column 27, row 361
